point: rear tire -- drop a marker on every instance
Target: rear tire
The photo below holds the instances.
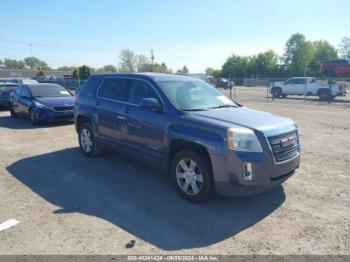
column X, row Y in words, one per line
column 88, row 143
column 276, row 92
column 324, row 94
column 12, row 112
column 192, row 176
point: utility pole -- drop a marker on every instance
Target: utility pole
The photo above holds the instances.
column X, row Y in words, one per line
column 152, row 58
column 31, row 49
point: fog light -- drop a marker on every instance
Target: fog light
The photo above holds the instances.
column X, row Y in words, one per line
column 248, row 173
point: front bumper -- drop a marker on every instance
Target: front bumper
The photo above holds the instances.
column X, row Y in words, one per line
column 47, row 115
column 266, row 173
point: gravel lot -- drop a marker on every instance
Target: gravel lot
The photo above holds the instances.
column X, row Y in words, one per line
column 68, row 204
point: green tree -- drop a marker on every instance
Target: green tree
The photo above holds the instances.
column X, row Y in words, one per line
column 13, row 64
column 35, row 63
column 216, row 73
column 236, row 66
column 185, row 70
column 298, row 54
column 41, row 74
column 344, row 47
column 323, row 51
column 75, row 74
column 82, row 73
column 264, row 64
column 32, row 62
column 209, row 71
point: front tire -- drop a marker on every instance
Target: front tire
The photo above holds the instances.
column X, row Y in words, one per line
column 192, row 176
column 324, row 95
column 33, row 118
column 87, row 141
column 12, row 112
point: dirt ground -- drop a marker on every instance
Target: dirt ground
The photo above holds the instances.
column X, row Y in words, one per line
column 68, row 204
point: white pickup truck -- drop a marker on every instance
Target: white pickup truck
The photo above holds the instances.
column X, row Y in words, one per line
column 306, row 86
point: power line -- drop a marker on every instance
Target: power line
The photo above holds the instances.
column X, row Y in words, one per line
column 57, row 46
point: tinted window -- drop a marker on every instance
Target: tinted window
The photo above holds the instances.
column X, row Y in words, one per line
column 300, row 81
column 50, row 90
column 290, row 81
column 116, row 89
column 139, row 90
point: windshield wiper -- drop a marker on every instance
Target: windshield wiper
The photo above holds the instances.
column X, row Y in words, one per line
column 195, row 109
column 222, row 106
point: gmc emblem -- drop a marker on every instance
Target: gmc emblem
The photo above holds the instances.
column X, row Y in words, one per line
column 288, row 142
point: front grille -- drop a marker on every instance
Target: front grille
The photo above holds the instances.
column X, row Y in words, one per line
column 280, row 152
column 64, row 108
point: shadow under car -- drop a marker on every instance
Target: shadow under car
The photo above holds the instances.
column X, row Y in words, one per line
column 139, row 199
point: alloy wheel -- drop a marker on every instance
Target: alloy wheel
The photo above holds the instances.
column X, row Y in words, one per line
column 86, row 140
column 189, row 177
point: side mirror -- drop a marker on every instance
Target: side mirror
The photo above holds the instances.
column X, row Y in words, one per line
column 151, row 103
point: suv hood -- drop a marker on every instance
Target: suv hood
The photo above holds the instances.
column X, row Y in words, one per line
column 57, row 101
column 266, row 123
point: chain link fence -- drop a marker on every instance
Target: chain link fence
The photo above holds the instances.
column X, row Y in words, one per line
column 297, row 90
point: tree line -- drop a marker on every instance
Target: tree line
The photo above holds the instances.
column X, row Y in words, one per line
column 31, row 62
column 300, row 57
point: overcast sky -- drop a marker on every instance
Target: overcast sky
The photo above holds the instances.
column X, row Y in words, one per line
column 198, row 34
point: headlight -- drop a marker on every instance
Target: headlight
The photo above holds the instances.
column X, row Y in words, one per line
column 243, row 139
column 40, row 105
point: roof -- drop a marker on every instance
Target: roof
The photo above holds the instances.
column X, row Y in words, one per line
column 153, row 76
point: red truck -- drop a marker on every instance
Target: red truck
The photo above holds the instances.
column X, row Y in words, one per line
column 336, row 67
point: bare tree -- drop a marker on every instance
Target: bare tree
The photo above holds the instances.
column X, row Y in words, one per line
column 344, row 47
column 128, row 61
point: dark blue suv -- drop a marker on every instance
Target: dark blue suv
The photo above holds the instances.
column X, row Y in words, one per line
column 206, row 142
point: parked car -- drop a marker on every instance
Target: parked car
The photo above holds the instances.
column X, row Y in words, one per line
column 42, row 102
column 19, row 81
column 336, row 67
column 5, row 90
column 206, row 142
column 224, row 83
column 307, row 86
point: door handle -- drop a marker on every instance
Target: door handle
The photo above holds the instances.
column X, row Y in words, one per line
column 97, row 103
column 127, row 110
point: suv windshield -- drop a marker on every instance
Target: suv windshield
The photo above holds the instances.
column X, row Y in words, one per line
column 48, row 91
column 194, row 95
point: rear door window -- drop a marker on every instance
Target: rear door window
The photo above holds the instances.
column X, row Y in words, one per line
column 117, row 89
